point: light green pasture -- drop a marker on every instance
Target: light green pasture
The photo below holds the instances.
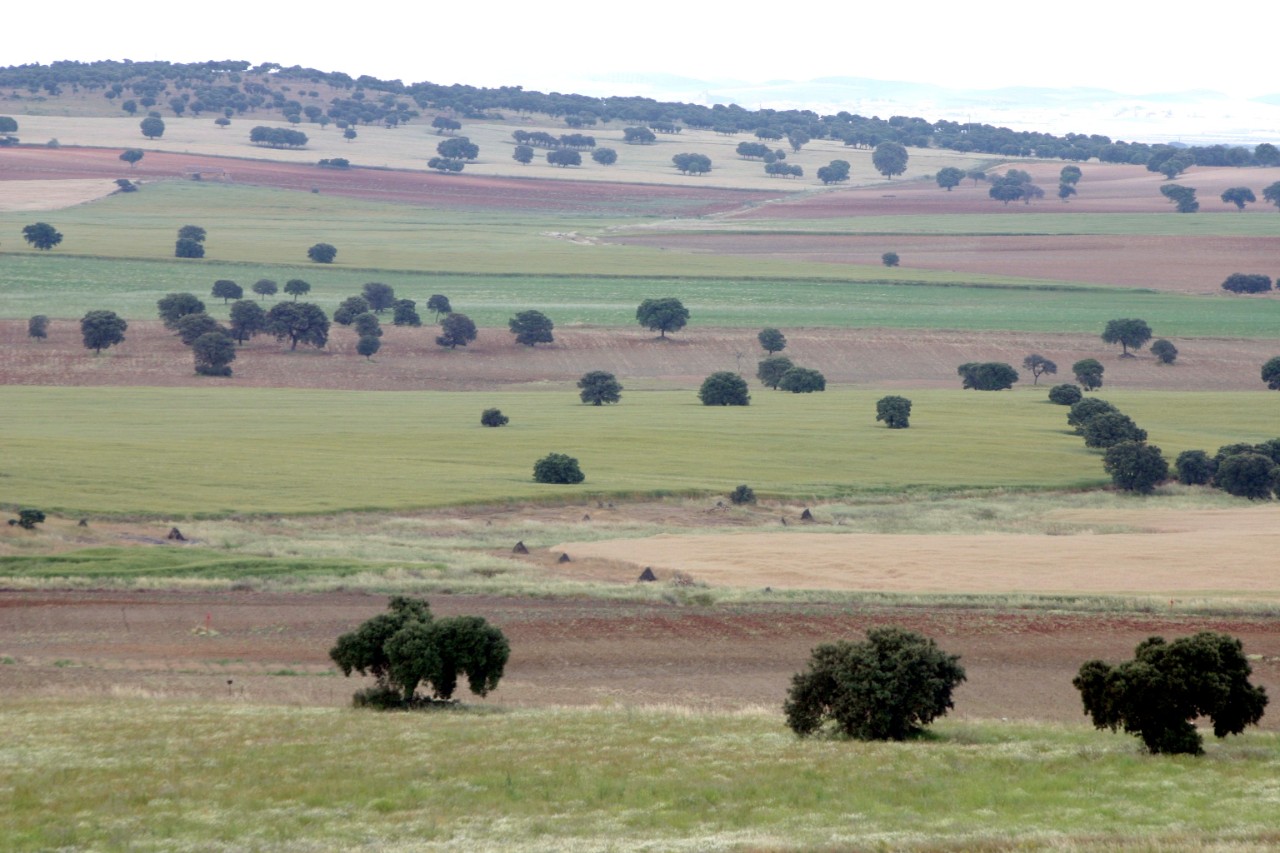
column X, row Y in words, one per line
column 174, row 452
column 155, row 775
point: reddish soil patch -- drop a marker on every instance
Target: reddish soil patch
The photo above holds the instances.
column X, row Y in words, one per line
column 1174, row 264
column 420, row 188
column 259, row 647
column 410, row 359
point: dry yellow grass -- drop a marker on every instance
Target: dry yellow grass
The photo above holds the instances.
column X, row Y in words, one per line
column 18, row 196
column 411, row 146
column 1161, row 553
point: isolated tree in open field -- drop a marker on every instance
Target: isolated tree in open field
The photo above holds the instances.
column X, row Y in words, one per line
column 349, row 309
column 1070, row 175
column 41, row 235
column 405, row 313
column 132, row 156
column 439, row 304
column 366, row 325
column 174, row 306
column 835, row 172
column 296, row 287
column 28, row 519
column 458, row 148
column 1183, row 197
column 1167, row 685
column 102, row 329
column 299, row 323
column 772, row 340
column 322, row 253
column 557, row 468
column 1239, row 196
column 1195, row 468
column 599, row 387
column 1065, row 191
column 265, row 287
column 185, row 247
column 1088, row 372
column 1239, row 282
column 987, row 375
column 8, row 124
column 379, row 296
column 890, row 259
column 213, row 353
column 522, row 154
column 890, row 158
column 1039, row 366
column 1065, row 394
column 405, row 648
column 368, row 346
column 563, row 157
column 802, row 380
column 949, row 177
column 192, row 326
column 724, row 389
column 444, row 124
column 1271, row 193
column 1135, row 466
column 38, row 327
column 662, row 315
column 493, row 418
column 1129, row 333
column 247, row 319
column 225, row 289
column 638, row 136
column 456, row 330
column 152, row 127
column 1164, row 351
column 531, row 328
column 895, row 411
column 446, row 164
column 692, row 164
column 771, row 370
column 605, row 156
column 888, row 687
column 1109, row 429
column 1246, row 475
column 1271, row 373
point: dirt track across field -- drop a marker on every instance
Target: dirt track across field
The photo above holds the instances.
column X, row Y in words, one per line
column 410, row 360
column 272, row 648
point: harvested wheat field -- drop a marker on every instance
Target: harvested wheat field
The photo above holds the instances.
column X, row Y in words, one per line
column 17, row 196
column 410, row 359
column 1171, row 555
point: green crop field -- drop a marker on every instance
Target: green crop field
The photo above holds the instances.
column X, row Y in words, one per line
column 155, row 775
column 225, row 451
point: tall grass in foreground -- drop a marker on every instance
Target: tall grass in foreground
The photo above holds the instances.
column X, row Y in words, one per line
column 150, row 775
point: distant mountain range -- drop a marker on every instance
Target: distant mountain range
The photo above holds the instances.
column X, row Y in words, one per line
column 1194, row 116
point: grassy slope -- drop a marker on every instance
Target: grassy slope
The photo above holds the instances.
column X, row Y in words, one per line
column 222, row 451
column 151, row 775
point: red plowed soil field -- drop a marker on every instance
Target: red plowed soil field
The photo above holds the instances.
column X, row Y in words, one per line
column 420, row 188
column 410, row 360
column 266, row 647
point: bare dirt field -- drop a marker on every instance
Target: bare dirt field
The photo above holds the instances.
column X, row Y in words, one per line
column 410, row 360
column 1168, row 555
column 272, row 648
column 1172, row 264
column 405, row 187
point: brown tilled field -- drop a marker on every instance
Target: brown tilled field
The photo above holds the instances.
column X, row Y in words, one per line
column 410, row 360
column 272, row 648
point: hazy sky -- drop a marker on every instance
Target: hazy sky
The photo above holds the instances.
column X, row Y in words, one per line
column 1128, row 47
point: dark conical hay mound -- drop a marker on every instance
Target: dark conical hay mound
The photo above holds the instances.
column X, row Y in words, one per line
column 806, row 515
column 520, row 549
column 176, row 535
column 564, row 558
column 648, row 575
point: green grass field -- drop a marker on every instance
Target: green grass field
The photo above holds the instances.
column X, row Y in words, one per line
column 152, row 775
column 1012, row 224
column 175, row 452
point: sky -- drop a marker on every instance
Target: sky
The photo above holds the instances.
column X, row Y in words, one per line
column 1126, row 47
